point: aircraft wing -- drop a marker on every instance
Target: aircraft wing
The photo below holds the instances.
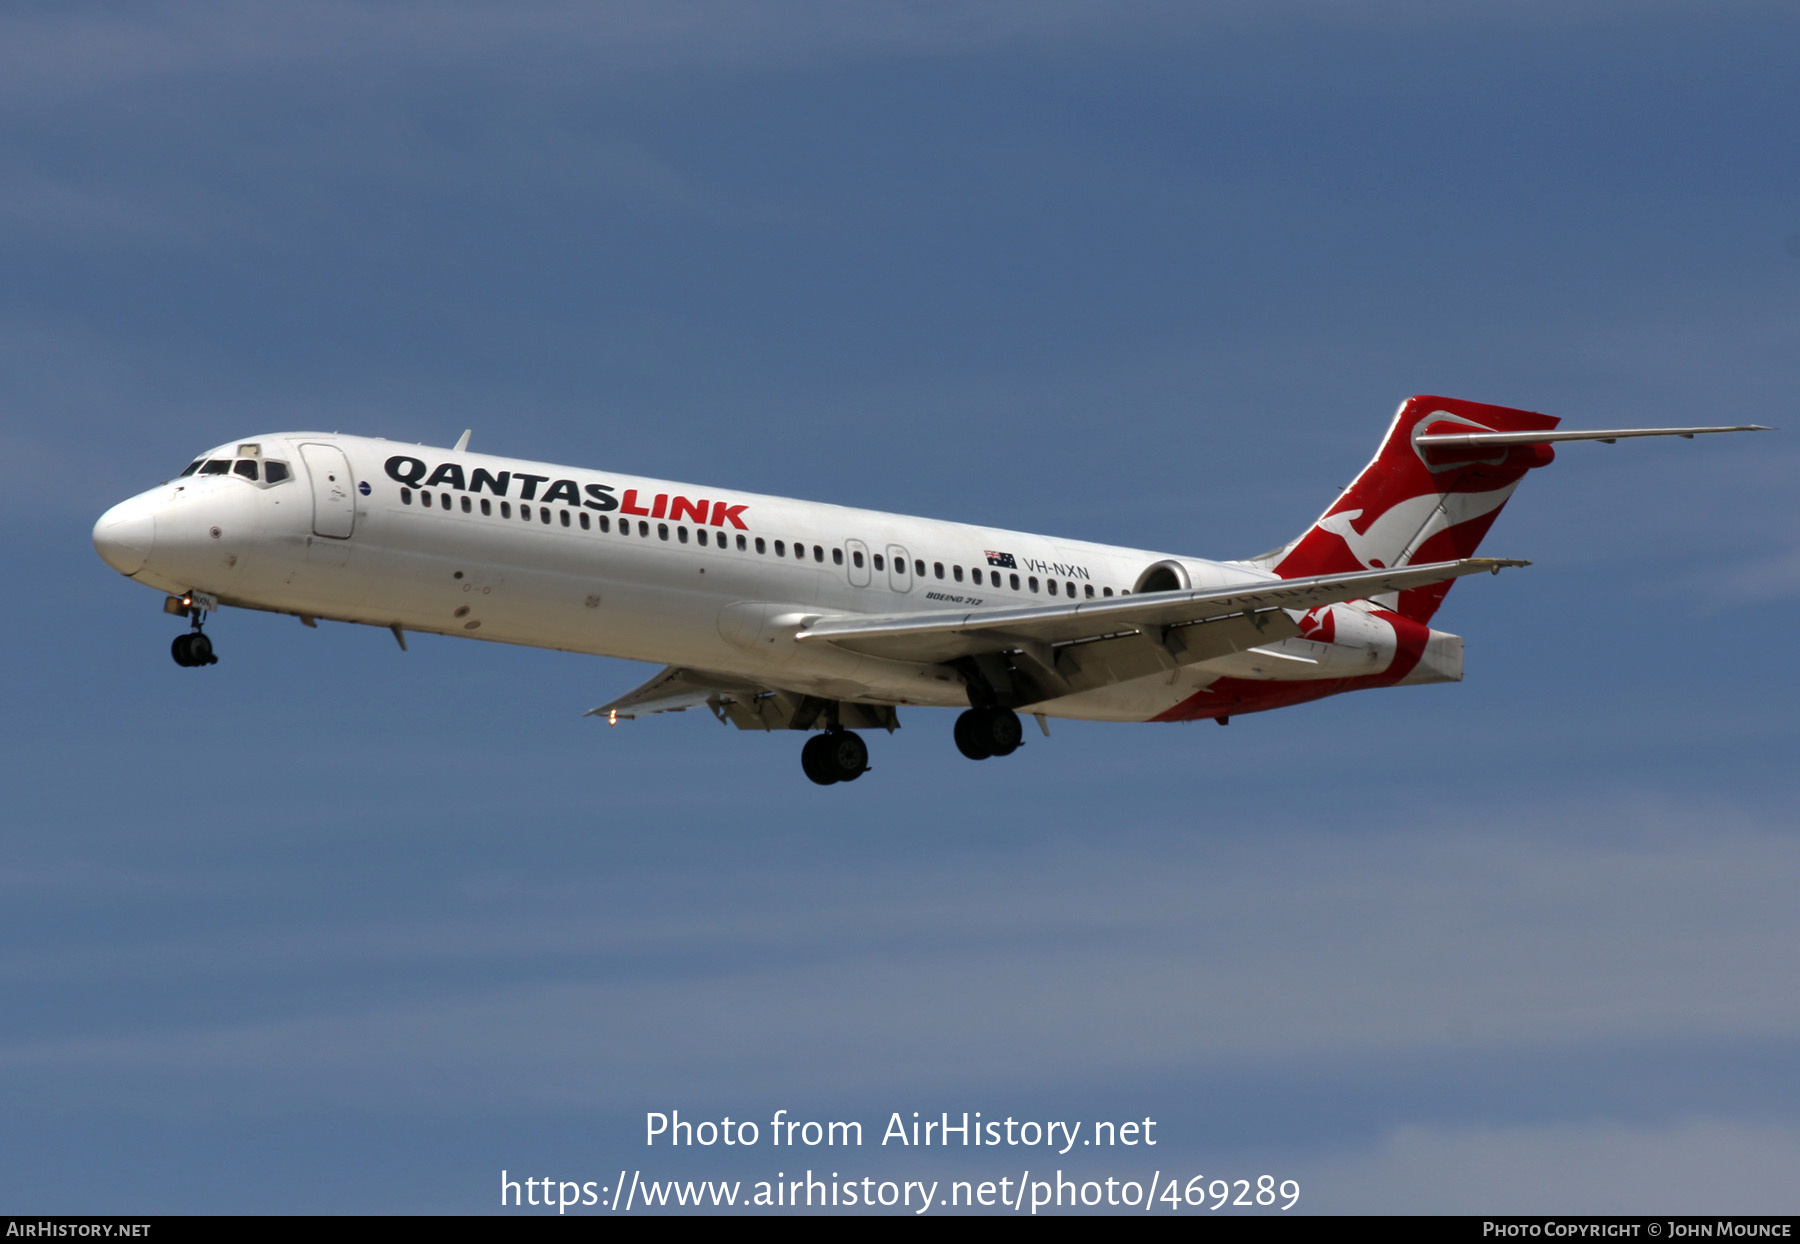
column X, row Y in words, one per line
column 941, row 635
column 745, row 704
column 675, row 690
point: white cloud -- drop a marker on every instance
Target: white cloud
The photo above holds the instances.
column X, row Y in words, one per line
column 52, row 55
column 1156, row 953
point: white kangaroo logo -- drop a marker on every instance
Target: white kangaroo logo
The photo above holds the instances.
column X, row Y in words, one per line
column 1393, row 536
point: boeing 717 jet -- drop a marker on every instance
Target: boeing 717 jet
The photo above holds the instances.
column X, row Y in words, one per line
column 778, row 614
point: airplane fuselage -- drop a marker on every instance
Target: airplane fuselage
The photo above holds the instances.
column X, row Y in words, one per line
column 474, row 546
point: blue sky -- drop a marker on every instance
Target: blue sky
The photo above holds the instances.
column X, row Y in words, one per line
column 329, row 927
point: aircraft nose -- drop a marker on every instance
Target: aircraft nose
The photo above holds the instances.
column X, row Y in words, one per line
column 125, row 534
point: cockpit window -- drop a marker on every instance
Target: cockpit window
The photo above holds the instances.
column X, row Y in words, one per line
column 275, row 472
column 218, row 466
column 192, row 467
column 244, row 467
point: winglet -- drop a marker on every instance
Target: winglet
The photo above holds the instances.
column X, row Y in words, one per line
column 462, row 442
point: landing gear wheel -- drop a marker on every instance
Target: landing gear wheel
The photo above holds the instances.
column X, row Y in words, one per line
column 847, row 754
column 1003, row 731
column 968, row 735
column 192, row 649
column 984, row 732
column 814, row 762
column 836, row 756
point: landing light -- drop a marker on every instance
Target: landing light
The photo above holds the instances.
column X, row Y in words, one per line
column 178, row 605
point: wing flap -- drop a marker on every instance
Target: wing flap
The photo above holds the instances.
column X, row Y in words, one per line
column 676, row 689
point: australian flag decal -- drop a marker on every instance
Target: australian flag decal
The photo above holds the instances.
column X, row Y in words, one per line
column 1001, row 559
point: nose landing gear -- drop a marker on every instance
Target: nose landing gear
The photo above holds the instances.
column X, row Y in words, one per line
column 835, row 756
column 984, row 732
column 194, row 648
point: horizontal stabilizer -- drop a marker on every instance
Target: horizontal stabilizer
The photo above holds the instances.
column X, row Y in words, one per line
column 1605, row 436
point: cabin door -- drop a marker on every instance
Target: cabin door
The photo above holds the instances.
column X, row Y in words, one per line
column 334, row 491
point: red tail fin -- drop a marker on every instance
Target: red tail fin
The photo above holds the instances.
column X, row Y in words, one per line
column 1418, row 504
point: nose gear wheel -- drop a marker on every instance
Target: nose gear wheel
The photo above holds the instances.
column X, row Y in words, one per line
column 193, row 649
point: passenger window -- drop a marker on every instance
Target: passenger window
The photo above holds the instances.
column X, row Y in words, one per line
column 192, row 467
column 605, row 522
column 466, row 506
column 956, row 573
column 760, row 546
column 585, row 521
column 543, row 514
column 406, row 496
column 741, row 545
column 937, row 568
column 975, row 574
column 487, row 507
column 1033, row 582
column 1051, row 584
column 1107, row 592
column 643, row 529
column 1088, row 589
column 700, row 535
column 1015, row 582
column 506, row 509
column 781, row 548
column 218, row 466
column 244, row 467
column 274, row 472
column 856, row 558
column 837, row 557
column 800, row 552
column 662, row 531
column 425, row 500
column 879, row 565
column 919, row 567
column 564, row 515
column 818, row 553
column 681, row 533
column 525, row 513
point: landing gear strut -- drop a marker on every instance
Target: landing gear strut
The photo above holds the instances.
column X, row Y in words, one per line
column 194, row 648
column 835, row 756
column 984, row 732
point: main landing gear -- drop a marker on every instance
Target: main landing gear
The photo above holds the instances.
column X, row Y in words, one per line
column 984, row 732
column 836, row 756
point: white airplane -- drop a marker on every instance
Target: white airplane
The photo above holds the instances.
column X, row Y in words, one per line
column 789, row 615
